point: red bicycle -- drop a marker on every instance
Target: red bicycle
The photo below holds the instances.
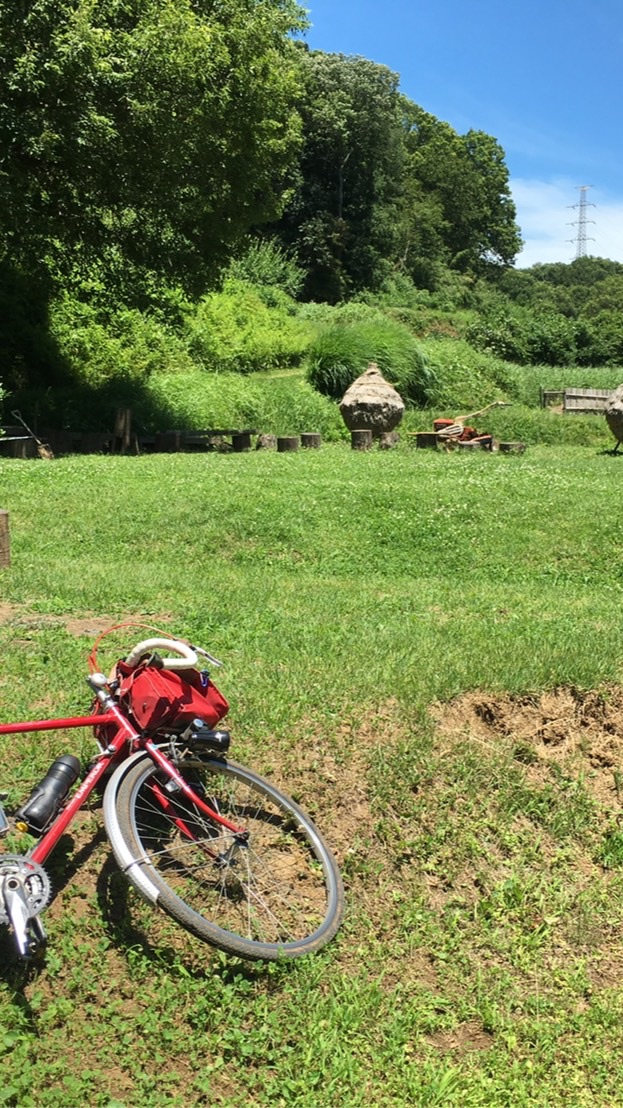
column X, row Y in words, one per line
column 235, row 861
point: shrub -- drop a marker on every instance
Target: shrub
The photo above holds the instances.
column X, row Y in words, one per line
column 529, row 337
column 238, row 331
column 131, row 345
column 278, row 406
column 340, row 353
column 464, row 378
column 265, row 264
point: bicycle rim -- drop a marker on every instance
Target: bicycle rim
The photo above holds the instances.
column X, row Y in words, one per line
column 277, row 894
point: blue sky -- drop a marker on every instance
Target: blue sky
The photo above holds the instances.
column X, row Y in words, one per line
column 544, row 77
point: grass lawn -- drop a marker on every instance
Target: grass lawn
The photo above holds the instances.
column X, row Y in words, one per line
column 426, row 650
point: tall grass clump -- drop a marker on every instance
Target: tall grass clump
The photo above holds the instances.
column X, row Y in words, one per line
column 246, row 329
column 342, row 351
column 274, row 406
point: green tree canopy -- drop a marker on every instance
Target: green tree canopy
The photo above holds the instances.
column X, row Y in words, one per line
column 143, row 135
column 341, row 220
column 467, row 179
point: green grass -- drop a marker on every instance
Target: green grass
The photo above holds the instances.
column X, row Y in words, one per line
column 480, row 962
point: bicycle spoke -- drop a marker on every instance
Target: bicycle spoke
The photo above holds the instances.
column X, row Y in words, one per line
column 269, row 887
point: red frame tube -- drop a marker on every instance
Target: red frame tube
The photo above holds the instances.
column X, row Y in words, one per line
column 59, row 724
column 165, row 764
column 125, row 735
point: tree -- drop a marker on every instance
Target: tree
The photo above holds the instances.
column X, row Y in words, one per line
column 142, row 137
column 467, row 177
column 342, row 218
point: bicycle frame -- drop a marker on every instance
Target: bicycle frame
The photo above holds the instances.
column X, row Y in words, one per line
column 125, row 736
column 162, row 770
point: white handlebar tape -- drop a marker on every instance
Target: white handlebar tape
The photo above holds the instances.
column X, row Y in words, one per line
column 186, row 657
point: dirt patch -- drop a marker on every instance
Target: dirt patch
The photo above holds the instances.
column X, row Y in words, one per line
column 463, row 1039
column 579, row 732
column 91, row 625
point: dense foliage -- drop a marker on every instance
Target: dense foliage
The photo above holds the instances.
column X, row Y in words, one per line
column 187, row 188
column 140, row 138
column 385, row 187
column 557, row 314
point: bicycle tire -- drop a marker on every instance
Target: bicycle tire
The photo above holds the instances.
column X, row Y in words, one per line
column 278, row 896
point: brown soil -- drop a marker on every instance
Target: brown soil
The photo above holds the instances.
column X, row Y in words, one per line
column 580, row 732
column 464, row 1038
column 90, row 625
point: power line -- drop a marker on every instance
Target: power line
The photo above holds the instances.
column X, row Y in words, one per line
column 581, row 238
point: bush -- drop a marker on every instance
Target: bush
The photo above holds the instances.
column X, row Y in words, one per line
column 238, row 330
column 131, row 345
column 464, row 378
column 275, row 406
column 266, row 265
column 529, row 337
column 340, row 353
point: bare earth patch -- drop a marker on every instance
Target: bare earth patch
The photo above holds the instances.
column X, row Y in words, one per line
column 91, row 625
column 464, row 1038
column 581, row 732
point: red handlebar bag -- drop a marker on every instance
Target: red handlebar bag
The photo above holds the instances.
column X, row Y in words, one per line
column 160, row 698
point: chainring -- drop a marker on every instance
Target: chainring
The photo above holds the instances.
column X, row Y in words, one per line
column 35, row 881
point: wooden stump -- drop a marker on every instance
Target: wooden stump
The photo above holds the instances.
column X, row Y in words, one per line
column 361, row 440
column 512, row 447
column 287, row 443
column 388, row 439
column 5, row 553
column 310, row 440
column 426, row 440
column 241, row 442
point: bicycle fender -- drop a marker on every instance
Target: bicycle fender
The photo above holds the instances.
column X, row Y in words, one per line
column 127, row 860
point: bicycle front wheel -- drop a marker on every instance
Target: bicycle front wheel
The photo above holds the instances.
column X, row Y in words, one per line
column 275, row 892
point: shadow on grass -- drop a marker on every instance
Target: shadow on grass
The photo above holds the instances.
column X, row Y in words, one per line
column 113, row 900
column 40, row 381
column 128, row 938
column 82, row 407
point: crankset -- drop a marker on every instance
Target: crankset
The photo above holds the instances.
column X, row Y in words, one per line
column 24, row 893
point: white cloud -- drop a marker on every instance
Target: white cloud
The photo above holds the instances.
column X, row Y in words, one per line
column 545, row 215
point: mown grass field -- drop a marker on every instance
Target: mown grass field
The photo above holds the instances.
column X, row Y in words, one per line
column 426, row 650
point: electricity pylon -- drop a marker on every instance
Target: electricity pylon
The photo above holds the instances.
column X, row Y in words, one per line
column 581, row 238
